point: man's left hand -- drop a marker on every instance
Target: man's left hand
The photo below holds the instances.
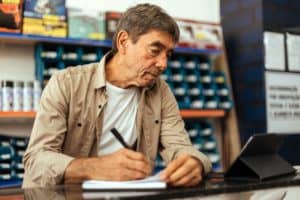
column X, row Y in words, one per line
column 183, row 171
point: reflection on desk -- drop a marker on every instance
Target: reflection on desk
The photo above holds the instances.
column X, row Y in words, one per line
column 209, row 189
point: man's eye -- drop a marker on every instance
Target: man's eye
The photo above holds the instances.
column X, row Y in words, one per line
column 154, row 52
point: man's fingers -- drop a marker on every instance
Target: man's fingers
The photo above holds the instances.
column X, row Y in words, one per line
column 184, row 170
column 189, row 179
column 172, row 167
column 139, row 166
column 128, row 174
column 136, row 161
column 133, row 155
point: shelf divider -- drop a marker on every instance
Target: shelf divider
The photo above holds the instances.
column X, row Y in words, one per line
column 202, row 113
column 17, row 114
column 188, row 113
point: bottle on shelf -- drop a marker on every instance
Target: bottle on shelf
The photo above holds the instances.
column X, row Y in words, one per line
column 7, row 95
column 1, row 98
column 18, row 96
column 28, row 96
column 37, row 91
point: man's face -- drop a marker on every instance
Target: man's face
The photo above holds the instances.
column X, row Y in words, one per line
column 147, row 58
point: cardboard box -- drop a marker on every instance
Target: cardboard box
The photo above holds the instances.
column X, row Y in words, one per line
column 111, row 22
column 86, row 24
column 198, row 34
column 11, row 17
column 45, row 17
column 44, row 27
column 42, row 8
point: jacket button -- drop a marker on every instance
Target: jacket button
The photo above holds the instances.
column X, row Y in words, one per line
column 156, row 121
column 79, row 124
column 99, row 106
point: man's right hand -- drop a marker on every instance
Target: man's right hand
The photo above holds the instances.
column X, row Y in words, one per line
column 122, row 165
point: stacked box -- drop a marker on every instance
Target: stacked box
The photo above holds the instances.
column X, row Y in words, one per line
column 195, row 85
column 211, row 98
column 177, row 83
column 111, row 22
column 198, row 34
column 11, row 154
column 50, row 58
column 11, row 16
column 6, row 157
column 203, row 139
column 45, row 17
column 86, row 24
column 223, row 91
column 192, row 77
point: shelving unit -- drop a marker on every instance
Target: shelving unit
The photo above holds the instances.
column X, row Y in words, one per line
column 187, row 114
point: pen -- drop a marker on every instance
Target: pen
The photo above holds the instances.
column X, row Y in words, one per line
column 116, row 133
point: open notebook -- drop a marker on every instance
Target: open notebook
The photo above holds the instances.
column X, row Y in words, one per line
column 151, row 182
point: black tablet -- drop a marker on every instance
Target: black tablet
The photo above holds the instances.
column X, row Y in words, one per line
column 259, row 159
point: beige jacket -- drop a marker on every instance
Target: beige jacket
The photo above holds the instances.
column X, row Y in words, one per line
column 69, row 123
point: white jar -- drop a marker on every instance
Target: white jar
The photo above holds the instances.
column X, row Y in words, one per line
column 28, row 96
column 18, row 96
column 37, row 91
column 1, row 100
column 7, row 96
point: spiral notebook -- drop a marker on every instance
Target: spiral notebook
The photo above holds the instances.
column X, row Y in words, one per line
column 151, row 182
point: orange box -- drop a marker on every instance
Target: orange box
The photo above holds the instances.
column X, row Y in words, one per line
column 10, row 17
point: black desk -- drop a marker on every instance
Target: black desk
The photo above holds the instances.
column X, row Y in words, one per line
column 207, row 188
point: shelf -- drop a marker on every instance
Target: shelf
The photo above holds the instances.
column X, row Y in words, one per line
column 18, row 38
column 11, row 184
column 17, row 114
column 184, row 113
column 202, row 113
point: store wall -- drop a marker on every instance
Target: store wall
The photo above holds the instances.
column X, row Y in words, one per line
column 281, row 14
column 206, row 10
column 243, row 31
column 17, row 61
column 243, row 25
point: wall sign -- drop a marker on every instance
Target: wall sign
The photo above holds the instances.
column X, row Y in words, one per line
column 274, row 51
column 293, row 52
column 283, row 102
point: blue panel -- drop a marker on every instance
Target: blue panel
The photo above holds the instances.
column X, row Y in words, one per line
column 243, row 22
column 229, row 7
column 250, row 3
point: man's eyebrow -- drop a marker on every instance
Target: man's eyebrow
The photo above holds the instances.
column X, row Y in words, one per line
column 158, row 44
column 161, row 46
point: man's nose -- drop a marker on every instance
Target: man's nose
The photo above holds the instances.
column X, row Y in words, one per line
column 162, row 62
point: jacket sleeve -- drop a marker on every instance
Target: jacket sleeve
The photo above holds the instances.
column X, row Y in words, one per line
column 174, row 138
column 44, row 160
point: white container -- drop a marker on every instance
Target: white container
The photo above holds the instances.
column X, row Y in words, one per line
column 18, row 96
column 1, row 104
column 37, row 91
column 28, row 96
column 7, row 96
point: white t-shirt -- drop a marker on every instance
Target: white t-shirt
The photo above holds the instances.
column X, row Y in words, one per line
column 120, row 113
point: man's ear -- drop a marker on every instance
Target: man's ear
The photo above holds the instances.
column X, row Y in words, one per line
column 122, row 41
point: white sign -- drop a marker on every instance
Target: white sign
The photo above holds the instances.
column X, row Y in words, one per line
column 283, row 102
column 274, row 51
column 293, row 52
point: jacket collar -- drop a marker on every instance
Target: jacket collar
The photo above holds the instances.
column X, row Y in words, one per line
column 100, row 78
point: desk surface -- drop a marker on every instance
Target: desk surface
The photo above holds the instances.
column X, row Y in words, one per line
column 207, row 188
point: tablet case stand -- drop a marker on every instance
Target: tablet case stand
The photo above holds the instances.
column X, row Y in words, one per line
column 259, row 160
